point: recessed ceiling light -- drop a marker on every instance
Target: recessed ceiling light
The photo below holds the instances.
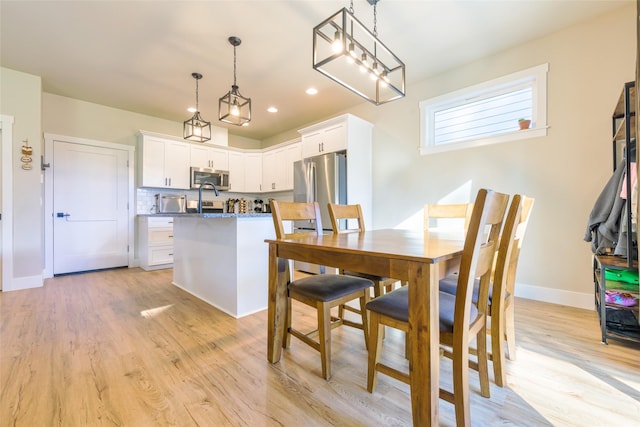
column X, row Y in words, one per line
column 272, row 109
column 191, row 110
column 312, row 91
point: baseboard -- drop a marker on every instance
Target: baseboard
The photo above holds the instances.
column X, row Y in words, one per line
column 555, row 296
column 19, row 283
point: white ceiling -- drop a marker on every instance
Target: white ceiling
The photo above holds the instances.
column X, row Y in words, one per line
column 139, row 55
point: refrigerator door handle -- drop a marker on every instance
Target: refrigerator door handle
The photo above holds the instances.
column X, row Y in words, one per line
column 313, row 182
column 307, row 182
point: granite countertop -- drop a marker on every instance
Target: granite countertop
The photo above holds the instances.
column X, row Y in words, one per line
column 211, row 215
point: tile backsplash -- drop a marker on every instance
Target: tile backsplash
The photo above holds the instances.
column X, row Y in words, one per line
column 146, row 203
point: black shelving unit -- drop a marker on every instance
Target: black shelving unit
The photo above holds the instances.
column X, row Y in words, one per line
column 619, row 322
column 623, row 122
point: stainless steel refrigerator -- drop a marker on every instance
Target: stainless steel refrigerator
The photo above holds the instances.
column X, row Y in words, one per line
column 321, row 179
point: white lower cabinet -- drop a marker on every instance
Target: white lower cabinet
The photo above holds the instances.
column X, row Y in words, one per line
column 155, row 236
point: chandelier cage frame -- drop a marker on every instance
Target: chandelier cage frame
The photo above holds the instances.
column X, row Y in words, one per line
column 196, row 128
column 233, row 108
column 347, row 52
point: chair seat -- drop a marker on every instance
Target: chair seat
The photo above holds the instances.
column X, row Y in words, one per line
column 396, row 306
column 328, row 287
column 450, row 283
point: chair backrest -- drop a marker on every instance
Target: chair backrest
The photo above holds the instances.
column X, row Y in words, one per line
column 351, row 213
column 447, row 211
column 518, row 237
column 292, row 211
column 480, row 246
column 505, row 249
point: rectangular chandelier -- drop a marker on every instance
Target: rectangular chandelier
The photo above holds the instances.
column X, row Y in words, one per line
column 348, row 53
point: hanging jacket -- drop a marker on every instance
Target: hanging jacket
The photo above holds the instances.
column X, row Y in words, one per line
column 603, row 228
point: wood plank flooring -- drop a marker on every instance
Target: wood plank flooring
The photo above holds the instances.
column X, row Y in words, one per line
column 127, row 348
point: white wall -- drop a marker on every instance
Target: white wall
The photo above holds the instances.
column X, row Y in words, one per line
column 20, row 97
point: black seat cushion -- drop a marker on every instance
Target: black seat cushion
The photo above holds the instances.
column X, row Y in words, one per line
column 327, row 287
column 450, row 283
column 396, row 306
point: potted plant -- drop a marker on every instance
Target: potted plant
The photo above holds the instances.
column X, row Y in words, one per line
column 524, row 123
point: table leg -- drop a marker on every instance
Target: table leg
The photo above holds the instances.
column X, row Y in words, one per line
column 424, row 337
column 277, row 304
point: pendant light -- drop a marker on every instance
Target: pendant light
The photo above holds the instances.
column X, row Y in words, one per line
column 233, row 107
column 196, row 128
column 348, row 53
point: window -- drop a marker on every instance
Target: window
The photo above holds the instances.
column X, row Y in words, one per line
column 486, row 113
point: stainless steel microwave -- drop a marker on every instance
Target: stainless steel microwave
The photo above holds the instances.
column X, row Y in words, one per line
column 217, row 177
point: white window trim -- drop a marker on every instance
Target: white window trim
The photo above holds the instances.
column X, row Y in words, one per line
column 538, row 73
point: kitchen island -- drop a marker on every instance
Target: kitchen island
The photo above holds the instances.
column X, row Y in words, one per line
column 222, row 259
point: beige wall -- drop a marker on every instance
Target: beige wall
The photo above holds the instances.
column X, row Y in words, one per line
column 20, row 97
column 71, row 117
column 564, row 171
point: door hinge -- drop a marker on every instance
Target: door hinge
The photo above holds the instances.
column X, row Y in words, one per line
column 127, row 163
column 127, row 248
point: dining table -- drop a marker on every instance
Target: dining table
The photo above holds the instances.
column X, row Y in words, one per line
column 419, row 258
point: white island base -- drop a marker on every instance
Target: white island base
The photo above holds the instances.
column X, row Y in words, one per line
column 223, row 260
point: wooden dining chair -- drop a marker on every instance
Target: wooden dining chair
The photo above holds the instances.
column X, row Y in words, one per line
column 350, row 219
column 501, row 295
column 322, row 292
column 460, row 320
column 435, row 212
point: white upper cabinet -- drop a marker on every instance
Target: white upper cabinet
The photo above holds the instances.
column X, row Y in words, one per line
column 163, row 163
column 335, row 134
column 203, row 156
column 245, row 172
column 277, row 167
column 253, row 173
column 350, row 133
column 236, row 171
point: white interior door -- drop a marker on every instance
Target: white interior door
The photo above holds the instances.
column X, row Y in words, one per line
column 90, row 207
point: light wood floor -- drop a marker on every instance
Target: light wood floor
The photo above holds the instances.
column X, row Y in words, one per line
column 126, row 348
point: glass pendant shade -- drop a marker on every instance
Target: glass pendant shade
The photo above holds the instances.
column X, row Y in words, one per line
column 234, row 108
column 196, row 128
column 348, row 53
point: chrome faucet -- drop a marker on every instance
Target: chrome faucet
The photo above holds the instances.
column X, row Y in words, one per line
column 206, row 183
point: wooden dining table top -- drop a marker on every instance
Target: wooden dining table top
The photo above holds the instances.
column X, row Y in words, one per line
column 421, row 246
